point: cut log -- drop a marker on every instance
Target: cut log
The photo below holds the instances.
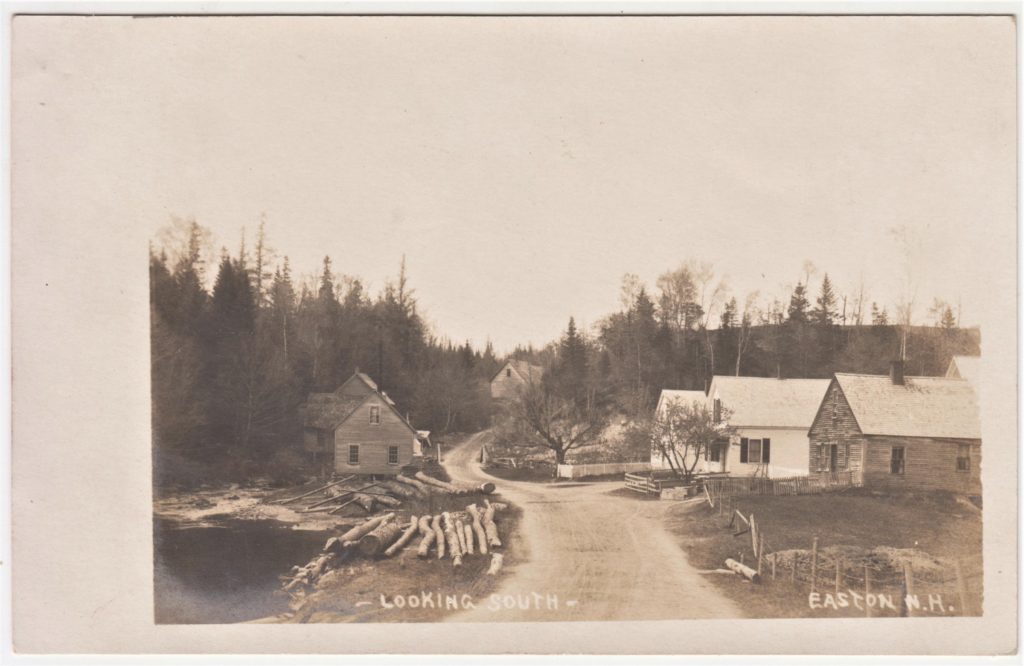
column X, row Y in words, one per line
column 428, row 537
column 406, row 537
column 743, row 570
column 468, row 529
column 365, row 501
column 314, row 492
column 438, row 535
column 453, row 540
column 377, row 541
column 387, row 500
column 341, row 494
column 399, row 489
column 478, row 528
column 418, row 485
column 359, row 531
column 460, row 533
column 486, row 488
column 490, row 528
column 443, row 485
column 496, row 561
column 498, row 506
column 341, row 506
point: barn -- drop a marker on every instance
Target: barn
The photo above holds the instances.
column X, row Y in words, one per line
column 899, row 432
column 358, row 430
column 512, row 377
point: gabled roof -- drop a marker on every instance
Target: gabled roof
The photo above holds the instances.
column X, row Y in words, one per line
column 327, row 411
column 965, row 367
column 527, row 371
column 920, row 407
column 767, row 402
column 364, row 381
column 682, row 397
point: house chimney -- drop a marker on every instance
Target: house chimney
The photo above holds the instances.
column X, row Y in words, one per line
column 896, row 372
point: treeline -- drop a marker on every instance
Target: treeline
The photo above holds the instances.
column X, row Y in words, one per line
column 689, row 329
column 232, row 364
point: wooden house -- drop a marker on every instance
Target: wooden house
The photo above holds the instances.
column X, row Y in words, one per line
column 771, row 417
column 900, row 433
column 512, row 377
column 357, row 429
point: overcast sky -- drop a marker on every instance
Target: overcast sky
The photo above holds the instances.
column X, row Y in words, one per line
column 524, row 165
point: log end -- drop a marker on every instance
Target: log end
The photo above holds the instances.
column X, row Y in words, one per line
column 487, row 488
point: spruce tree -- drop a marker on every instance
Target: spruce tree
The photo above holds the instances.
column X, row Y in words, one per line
column 825, row 312
column 798, row 304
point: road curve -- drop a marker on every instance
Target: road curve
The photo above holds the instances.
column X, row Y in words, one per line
column 591, row 556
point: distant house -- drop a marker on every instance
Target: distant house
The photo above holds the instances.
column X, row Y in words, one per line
column 512, row 377
column 357, row 430
column 771, row 416
column 965, row 367
column 671, row 396
column 900, row 433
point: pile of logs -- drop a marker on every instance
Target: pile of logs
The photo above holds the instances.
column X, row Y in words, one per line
column 456, row 534
column 370, row 496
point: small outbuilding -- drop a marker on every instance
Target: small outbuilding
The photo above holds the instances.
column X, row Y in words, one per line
column 900, row 433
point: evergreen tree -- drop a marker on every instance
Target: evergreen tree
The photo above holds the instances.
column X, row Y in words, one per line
column 798, row 304
column 729, row 314
column 825, row 312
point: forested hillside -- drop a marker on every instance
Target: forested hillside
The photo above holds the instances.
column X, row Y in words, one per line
column 235, row 353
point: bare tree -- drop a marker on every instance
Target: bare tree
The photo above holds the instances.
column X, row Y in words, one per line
column 683, row 433
column 558, row 423
column 751, row 313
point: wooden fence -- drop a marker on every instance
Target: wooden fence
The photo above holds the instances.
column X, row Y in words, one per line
column 793, row 485
column 854, row 586
column 600, row 469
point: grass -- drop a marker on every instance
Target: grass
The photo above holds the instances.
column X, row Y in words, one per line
column 938, row 528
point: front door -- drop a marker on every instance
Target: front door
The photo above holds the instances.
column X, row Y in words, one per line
column 833, row 458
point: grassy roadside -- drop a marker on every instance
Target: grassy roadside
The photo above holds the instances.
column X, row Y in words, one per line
column 932, row 530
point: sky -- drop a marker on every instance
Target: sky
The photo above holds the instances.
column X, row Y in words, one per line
column 523, row 165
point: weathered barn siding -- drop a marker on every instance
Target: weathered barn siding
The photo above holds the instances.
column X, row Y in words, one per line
column 373, row 440
column 835, row 424
column 929, row 464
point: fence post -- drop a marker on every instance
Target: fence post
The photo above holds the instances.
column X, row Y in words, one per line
column 792, row 570
column 774, row 557
column 839, row 574
column 814, row 563
column 867, row 590
column 961, row 587
column 908, row 589
column 760, row 552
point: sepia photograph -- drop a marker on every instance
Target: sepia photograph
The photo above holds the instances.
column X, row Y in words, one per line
column 532, row 319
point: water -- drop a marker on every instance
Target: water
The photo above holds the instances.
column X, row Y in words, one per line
column 227, row 573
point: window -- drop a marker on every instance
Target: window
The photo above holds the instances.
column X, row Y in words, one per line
column 374, row 414
column 755, row 451
column 321, row 439
column 353, row 454
column 392, row 455
column 897, row 463
column 718, row 410
column 828, row 458
column 508, row 372
column 835, row 405
column 716, row 452
column 963, row 457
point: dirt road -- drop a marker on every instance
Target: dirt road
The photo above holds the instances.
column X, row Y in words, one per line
column 591, row 556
